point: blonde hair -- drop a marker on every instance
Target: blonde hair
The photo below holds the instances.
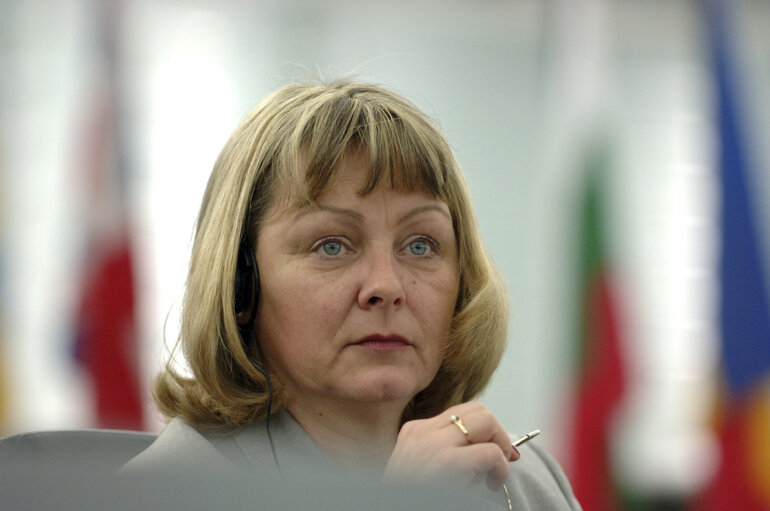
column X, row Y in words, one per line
column 293, row 142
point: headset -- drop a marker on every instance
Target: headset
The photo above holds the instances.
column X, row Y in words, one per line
column 245, row 303
column 246, row 287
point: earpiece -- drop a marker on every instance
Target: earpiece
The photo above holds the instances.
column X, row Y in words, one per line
column 246, row 285
column 246, row 296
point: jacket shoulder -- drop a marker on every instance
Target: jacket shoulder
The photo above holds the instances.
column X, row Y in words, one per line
column 538, row 482
column 178, row 447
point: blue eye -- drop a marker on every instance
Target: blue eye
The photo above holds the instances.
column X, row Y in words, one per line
column 331, row 247
column 419, row 247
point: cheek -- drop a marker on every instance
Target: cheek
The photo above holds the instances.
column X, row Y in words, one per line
column 435, row 300
column 442, row 292
column 297, row 312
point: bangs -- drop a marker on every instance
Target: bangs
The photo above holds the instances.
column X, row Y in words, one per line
column 404, row 150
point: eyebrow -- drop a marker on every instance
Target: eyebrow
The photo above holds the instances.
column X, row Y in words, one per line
column 355, row 215
column 416, row 211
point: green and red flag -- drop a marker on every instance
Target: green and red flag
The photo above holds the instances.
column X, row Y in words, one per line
column 600, row 379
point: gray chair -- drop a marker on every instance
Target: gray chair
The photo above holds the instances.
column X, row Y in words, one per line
column 67, row 470
column 76, row 471
column 96, row 449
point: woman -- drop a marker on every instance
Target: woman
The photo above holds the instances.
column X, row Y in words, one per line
column 341, row 307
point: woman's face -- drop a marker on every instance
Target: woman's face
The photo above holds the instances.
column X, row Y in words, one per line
column 357, row 293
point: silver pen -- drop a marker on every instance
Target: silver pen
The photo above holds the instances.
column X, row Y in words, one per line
column 526, row 438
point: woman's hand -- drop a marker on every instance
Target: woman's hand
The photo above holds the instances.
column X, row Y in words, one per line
column 438, row 449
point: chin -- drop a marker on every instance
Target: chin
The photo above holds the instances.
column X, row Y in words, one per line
column 388, row 389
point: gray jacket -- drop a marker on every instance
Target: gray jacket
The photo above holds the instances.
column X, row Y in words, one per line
column 295, row 473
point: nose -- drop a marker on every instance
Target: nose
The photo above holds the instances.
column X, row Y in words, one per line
column 381, row 284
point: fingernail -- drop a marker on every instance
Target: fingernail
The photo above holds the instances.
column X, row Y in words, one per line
column 515, row 454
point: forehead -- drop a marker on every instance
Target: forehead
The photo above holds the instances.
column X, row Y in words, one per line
column 344, row 196
column 355, row 175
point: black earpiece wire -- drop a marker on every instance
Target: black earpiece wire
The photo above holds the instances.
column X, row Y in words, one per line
column 251, row 336
column 269, row 409
column 247, row 281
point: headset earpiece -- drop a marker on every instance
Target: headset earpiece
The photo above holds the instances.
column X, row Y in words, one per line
column 246, row 286
column 246, row 295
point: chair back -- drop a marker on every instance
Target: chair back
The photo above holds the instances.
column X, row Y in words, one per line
column 94, row 449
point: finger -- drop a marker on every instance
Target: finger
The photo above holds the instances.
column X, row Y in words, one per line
column 482, row 462
column 499, row 473
column 483, row 427
column 467, row 413
column 458, row 423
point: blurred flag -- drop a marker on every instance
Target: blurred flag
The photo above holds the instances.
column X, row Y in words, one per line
column 4, row 406
column 600, row 374
column 742, row 480
column 107, row 343
column 3, row 391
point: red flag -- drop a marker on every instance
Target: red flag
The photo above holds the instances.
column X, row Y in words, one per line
column 107, row 342
column 107, row 336
column 742, row 480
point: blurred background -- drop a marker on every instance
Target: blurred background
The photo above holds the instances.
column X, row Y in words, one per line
column 618, row 156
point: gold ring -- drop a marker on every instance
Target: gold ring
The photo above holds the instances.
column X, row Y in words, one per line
column 457, row 421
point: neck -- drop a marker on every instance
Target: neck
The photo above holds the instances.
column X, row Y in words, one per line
column 358, row 436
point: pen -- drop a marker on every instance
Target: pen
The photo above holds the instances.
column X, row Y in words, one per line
column 526, row 438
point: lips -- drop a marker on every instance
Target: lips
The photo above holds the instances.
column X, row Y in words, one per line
column 379, row 342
